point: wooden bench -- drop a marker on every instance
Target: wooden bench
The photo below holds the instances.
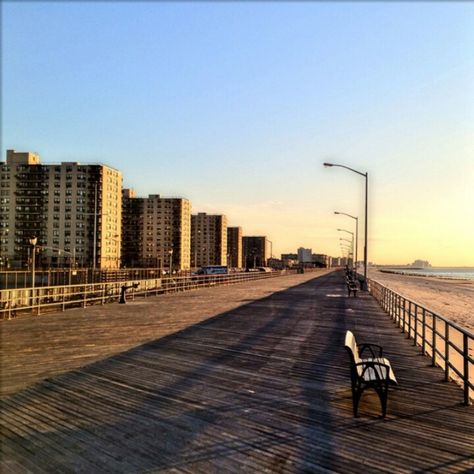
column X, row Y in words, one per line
column 373, row 372
column 351, row 287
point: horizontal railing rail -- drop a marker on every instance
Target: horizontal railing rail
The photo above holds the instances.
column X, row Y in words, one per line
column 15, row 302
column 11, row 279
column 448, row 344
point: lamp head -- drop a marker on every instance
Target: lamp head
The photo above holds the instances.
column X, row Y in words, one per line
column 335, row 212
column 328, row 164
column 33, row 240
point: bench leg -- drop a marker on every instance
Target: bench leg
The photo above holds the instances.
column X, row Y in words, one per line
column 383, row 396
column 383, row 401
column 356, row 394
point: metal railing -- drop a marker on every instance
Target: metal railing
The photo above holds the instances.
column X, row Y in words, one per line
column 10, row 279
column 15, row 302
column 448, row 344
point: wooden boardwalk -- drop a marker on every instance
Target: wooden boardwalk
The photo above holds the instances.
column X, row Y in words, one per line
column 252, row 384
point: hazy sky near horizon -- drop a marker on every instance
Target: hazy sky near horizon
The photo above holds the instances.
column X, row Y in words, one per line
column 237, row 105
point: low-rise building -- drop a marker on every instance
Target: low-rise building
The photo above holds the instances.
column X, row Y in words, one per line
column 305, row 255
column 289, row 259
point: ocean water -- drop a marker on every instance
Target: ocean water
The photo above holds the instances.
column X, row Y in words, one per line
column 460, row 273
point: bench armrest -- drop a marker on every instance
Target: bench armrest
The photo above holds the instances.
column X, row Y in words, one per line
column 371, row 348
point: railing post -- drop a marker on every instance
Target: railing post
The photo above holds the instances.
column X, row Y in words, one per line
column 394, row 308
column 409, row 319
column 399, row 310
column 390, row 303
column 423, row 332
column 466, row 369
column 446, row 352
column 433, row 336
column 415, row 335
column 403, row 314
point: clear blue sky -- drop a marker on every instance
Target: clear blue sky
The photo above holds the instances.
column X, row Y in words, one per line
column 236, row 105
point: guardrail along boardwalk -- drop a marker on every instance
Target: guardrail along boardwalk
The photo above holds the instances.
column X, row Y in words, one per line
column 244, row 379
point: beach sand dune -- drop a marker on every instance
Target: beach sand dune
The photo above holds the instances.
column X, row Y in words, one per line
column 453, row 299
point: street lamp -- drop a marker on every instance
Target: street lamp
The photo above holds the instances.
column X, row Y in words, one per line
column 171, row 261
column 96, row 214
column 352, row 233
column 116, row 238
column 271, row 249
column 357, row 233
column 347, row 240
column 346, row 250
column 94, row 250
column 366, row 176
column 33, row 242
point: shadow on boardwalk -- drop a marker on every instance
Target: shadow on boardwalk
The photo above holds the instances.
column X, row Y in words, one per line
column 262, row 387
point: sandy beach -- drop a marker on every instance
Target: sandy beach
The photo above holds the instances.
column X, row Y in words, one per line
column 453, row 299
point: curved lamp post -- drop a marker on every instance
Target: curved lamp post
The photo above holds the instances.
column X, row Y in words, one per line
column 357, row 233
column 33, row 242
column 366, row 176
column 352, row 243
column 345, row 250
column 349, row 244
column 271, row 250
column 171, row 261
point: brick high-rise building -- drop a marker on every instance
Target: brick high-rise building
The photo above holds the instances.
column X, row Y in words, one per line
column 234, row 246
column 208, row 240
column 156, row 231
column 73, row 210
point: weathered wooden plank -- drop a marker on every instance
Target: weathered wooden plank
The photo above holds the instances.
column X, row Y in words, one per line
column 262, row 387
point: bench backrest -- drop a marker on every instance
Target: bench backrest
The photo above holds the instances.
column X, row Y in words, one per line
column 351, row 346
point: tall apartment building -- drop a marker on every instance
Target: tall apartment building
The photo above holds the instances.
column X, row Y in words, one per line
column 255, row 251
column 156, row 231
column 234, row 246
column 73, row 210
column 208, row 240
column 132, row 229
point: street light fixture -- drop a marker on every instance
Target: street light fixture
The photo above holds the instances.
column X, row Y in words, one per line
column 33, row 242
column 171, row 261
column 357, row 233
column 352, row 243
column 345, row 252
column 347, row 240
column 366, row 176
